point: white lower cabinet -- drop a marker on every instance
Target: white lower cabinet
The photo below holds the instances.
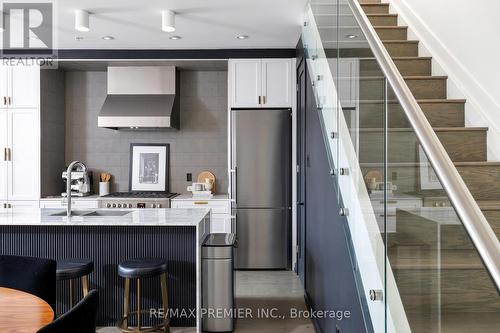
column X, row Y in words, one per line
column 75, row 203
column 394, row 203
column 220, row 211
column 220, row 223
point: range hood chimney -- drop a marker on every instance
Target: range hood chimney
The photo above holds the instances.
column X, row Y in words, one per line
column 141, row 97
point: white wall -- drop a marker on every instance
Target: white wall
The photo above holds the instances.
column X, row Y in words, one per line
column 463, row 38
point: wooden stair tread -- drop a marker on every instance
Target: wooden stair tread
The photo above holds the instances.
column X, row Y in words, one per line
column 436, row 129
column 419, row 259
column 400, row 41
column 489, row 204
column 399, row 58
column 416, row 164
column 381, row 15
column 419, row 101
column 479, row 163
column 390, row 26
column 357, row 27
column 414, row 77
column 456, row 100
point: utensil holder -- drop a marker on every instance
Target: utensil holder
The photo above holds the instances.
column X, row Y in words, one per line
column 103, row 188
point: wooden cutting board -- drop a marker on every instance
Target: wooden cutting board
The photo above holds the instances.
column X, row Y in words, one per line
column 207, row 174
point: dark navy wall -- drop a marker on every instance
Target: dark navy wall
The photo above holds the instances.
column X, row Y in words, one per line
column 330, row 281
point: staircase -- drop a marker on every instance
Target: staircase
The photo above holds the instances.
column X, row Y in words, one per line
column 441, row 279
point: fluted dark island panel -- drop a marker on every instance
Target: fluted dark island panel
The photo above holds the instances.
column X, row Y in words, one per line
column 107, row 246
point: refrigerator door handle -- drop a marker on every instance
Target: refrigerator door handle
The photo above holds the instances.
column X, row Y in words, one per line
column 234, row 184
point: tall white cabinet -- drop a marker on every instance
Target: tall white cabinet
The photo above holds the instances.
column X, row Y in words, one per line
column 261, row 83
column 19, row 136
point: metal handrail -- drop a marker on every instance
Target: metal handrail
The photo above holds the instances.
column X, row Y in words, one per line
column 475, row 223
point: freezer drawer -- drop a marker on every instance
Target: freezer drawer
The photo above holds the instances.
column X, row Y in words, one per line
column 262, row 238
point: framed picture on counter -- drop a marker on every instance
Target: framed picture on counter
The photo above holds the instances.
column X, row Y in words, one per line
column 148, row 169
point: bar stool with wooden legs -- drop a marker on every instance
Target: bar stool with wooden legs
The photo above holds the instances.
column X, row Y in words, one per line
column 139, row 269
column 71, row 269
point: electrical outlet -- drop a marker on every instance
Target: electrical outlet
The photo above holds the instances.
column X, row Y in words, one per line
column 189, row 177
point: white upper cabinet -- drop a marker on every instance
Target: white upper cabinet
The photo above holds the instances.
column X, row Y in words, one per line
column 24, row 87
column 348, row 80
column 277, row 83
column 4, row 79
column 246, row 82
column 261, row 83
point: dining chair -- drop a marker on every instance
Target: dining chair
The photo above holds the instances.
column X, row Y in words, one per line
column 36, row 276
column 82, row 318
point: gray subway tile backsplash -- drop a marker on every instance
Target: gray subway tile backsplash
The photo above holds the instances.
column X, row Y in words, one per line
column 200, row 144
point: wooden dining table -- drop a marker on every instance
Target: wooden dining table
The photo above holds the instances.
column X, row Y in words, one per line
column 22, row 312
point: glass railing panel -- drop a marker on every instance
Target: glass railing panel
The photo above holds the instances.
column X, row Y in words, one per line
column 409, row 243
column 338, row 47
column 320, row 72
column 362, row 141
column 442, row 282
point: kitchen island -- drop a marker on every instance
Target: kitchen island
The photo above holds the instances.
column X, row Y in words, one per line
column 108, row 237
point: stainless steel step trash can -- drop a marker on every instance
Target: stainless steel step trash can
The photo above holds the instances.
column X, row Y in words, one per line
column 218, row 283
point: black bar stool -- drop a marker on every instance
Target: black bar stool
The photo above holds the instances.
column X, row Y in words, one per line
column 139, row 269
column 70, row 269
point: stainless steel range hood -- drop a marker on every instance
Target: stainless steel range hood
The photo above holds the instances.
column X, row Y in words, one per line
column 144, row 97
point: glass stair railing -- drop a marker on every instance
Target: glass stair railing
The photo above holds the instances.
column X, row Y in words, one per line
column 428, row 260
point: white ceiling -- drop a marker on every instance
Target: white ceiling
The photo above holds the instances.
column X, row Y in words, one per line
column 203, row 24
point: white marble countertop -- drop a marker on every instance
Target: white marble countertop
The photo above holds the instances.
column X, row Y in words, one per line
column 440, row 215
column 190, row 197
column 58, row 197
column 136, row 217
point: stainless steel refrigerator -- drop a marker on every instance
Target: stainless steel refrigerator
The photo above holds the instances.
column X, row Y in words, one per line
column 261, row 187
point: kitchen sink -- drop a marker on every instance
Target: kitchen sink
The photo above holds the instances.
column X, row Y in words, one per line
column 73, row 213
column 107, row 213
column 90, row 213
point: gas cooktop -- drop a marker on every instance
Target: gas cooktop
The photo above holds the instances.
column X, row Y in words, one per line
column 138, row 194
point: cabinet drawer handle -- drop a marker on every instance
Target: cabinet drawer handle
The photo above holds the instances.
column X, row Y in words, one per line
column 5, row 154
column 8, row 155
column 263, row 99
column 8, row 98
column 9, row 205
column 5, row 205
column 389, row 202
column 201, row 202
column 5, row 100
column 260, row 100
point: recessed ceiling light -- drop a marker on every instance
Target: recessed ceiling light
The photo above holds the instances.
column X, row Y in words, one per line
column 351, row 36
column 82, row 20
column 108, row 37
column 242, row 37
column 167, row 20
column 175, row 37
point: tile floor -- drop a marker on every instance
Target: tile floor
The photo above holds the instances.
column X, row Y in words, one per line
column 277, row 292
